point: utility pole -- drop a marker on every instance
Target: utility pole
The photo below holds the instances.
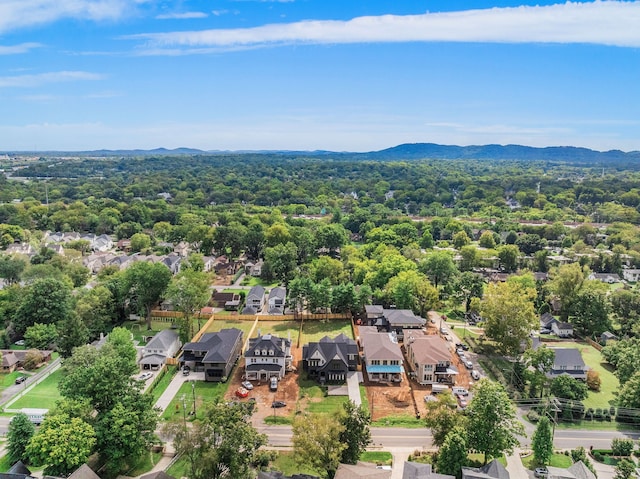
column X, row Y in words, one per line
column 193, row 390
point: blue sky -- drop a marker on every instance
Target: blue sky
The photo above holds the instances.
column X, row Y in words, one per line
column 343, row 75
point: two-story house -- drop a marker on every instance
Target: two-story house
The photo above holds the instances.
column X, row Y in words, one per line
column 382, row 356
column 430, row 358
column 267, row 356
column 330, row 359
column 215, row 354
column 165, row 344
column 568, row 361
column 393, row 320
column 254, row 300
column 277, row 297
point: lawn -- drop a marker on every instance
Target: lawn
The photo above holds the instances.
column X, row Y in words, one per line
column 7, row 380
column 557, row 460
column 282, row 329
column 161, row 385
column 315, row 330
column 254, row 281
column 609, row 382
column 400, row 420
column 285, row 463
column 139, row 328
column 204, row 393
column 380, row 458
column 144, row 464
column 43, row 395
column 219, row 324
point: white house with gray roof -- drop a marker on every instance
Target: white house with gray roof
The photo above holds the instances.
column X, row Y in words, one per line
column 254, row 300
column 277, row 298
column 382, row 356
column 267, row 356
column 163, row 345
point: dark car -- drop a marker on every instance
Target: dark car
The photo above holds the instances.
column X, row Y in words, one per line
column 21, row 379
column 277, row 404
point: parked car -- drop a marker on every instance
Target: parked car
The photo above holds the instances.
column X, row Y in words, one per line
column 19, row 342
column 460, row 391
column 247, row 385
column 475, row 374
column 541, row 472
column 545, row 331
column 460, row 353
column 430, row 398
column 273, row 384
column 468, row 364
column 145, row 376
column 462, row 346
column 186, row 370
column 242, row 392
column 21, row 379
column 462, row 402
column 277, row 404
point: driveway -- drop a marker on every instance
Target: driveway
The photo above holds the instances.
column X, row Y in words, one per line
column 176, row 383
column 515, row 467
column 353, row 386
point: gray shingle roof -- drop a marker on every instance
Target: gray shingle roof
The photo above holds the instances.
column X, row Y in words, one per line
column 493, row 470
column 219, row 346
column 163, row 340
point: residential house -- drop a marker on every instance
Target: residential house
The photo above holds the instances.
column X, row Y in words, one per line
column 84, row 472
column 182, row 249
column 254, row 300
column 21, row 248
column 430, row 358
column 361, row 470
column 172, row 261
column 17, row 471
column 227, row 300
column 165, row 344
column 393, row 320
column 267, row 356
column 568, row 361
column 417, row 470
column 493, row 470
column 280, row 475
column 605, row 277
column 382, row 356
column 577, row 470
column 559, row 328
column 277, row 298
column 607, row 336
column 631, row 275
column 330, row 359
column 254, row 269
column 540, row 276
column 214, row 353
column 209, row 263
column 13, row 359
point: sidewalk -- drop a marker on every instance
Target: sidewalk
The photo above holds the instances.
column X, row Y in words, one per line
column 176, row 383
column 515, row 467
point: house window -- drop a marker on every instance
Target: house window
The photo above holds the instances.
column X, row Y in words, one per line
column 271, row 352
column 577, row 368
column 563, row 367
column 253, row 360
column 375, row 362
column 428, row 377
column 428, row 367
column 394, row 362
column 384, row 362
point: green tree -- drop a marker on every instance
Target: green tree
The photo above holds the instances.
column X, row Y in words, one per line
column 539, row 362
column 62, row 444
column 46, row 301
column 542, row 441
column 452, row 456
column 146, row 283
column 508, row 256
column 356, row 434
column 566, row 387
column 625, row 305
column 629, row 396
column 11, row 269
column 589, row 313
column 439, row 267
column 96, row 309
column 492, row 425
column 467, row 286
column 73, row 333
column 316, row 443
column 332, row 236
column 509, row 315
column 223, row 444
column 326, row 267
column 280, row 261
column 469, row 259
column 189, row 292
column 625, row 470
column 140, row 242
column 442, row 416
column 21, row 429
column 487, row 240
column 565, row 284
column 412, row 290
column 580, row 454
column 622, row 447
column 40, row 336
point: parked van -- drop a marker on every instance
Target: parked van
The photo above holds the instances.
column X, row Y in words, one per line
column 273, row 384
column 36, row 416
column 458, row 391
column 439, row 388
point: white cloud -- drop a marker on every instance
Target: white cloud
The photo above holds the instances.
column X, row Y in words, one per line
column 612, row 23
column 17, row 49
column 15, row 14
column 181, row 16
column 29, row 81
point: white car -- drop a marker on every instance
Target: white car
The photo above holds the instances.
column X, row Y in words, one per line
column 145, row 376
column 247, row 385
column 475, row 374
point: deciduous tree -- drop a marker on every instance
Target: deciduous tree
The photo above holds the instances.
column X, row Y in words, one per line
column 492, row 425
column 189, row 292
column 442, row 416
column 542, row 441
column 146, row 283
column 356, row 434
column 316, row 443
column 21, row 429
column 452, row 456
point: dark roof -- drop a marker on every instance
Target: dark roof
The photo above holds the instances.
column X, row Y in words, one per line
column 330, row 348
column 163, row 339
column 547, row 318
column 417, row 470
column 374, row 309
column 268, row 342
column 19, row 468
column 568, row 357
column 256, row 291
column 219, row 346
column 493, row 470
column 403, row 317
column 84, row 472
column 264, row 367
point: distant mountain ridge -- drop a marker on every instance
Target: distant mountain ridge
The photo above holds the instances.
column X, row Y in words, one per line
column 406, row 151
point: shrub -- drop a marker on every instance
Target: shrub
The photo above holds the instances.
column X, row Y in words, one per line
column 533, row 416
column 598, row 456
column 593, row 380
column 621, row 447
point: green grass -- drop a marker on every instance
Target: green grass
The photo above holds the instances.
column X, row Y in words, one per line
column 255, row 281
column 377, row 457
column 139, row 328
column 144, row 464
column 180, row 468
column 43, row 396
column 204, row 392
column 401, row 420
column 5, row 464
column 597, row 426
column 219, row 324
column 477, row 458
column 281, row 329
column 285, row 463
column 161, row 385
column 315, row 330
column 329, row 405
column 557, row 460
column 609, row 382
column 278, row 420
column 234, row 290
column 7, row 380
column 364, row 398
